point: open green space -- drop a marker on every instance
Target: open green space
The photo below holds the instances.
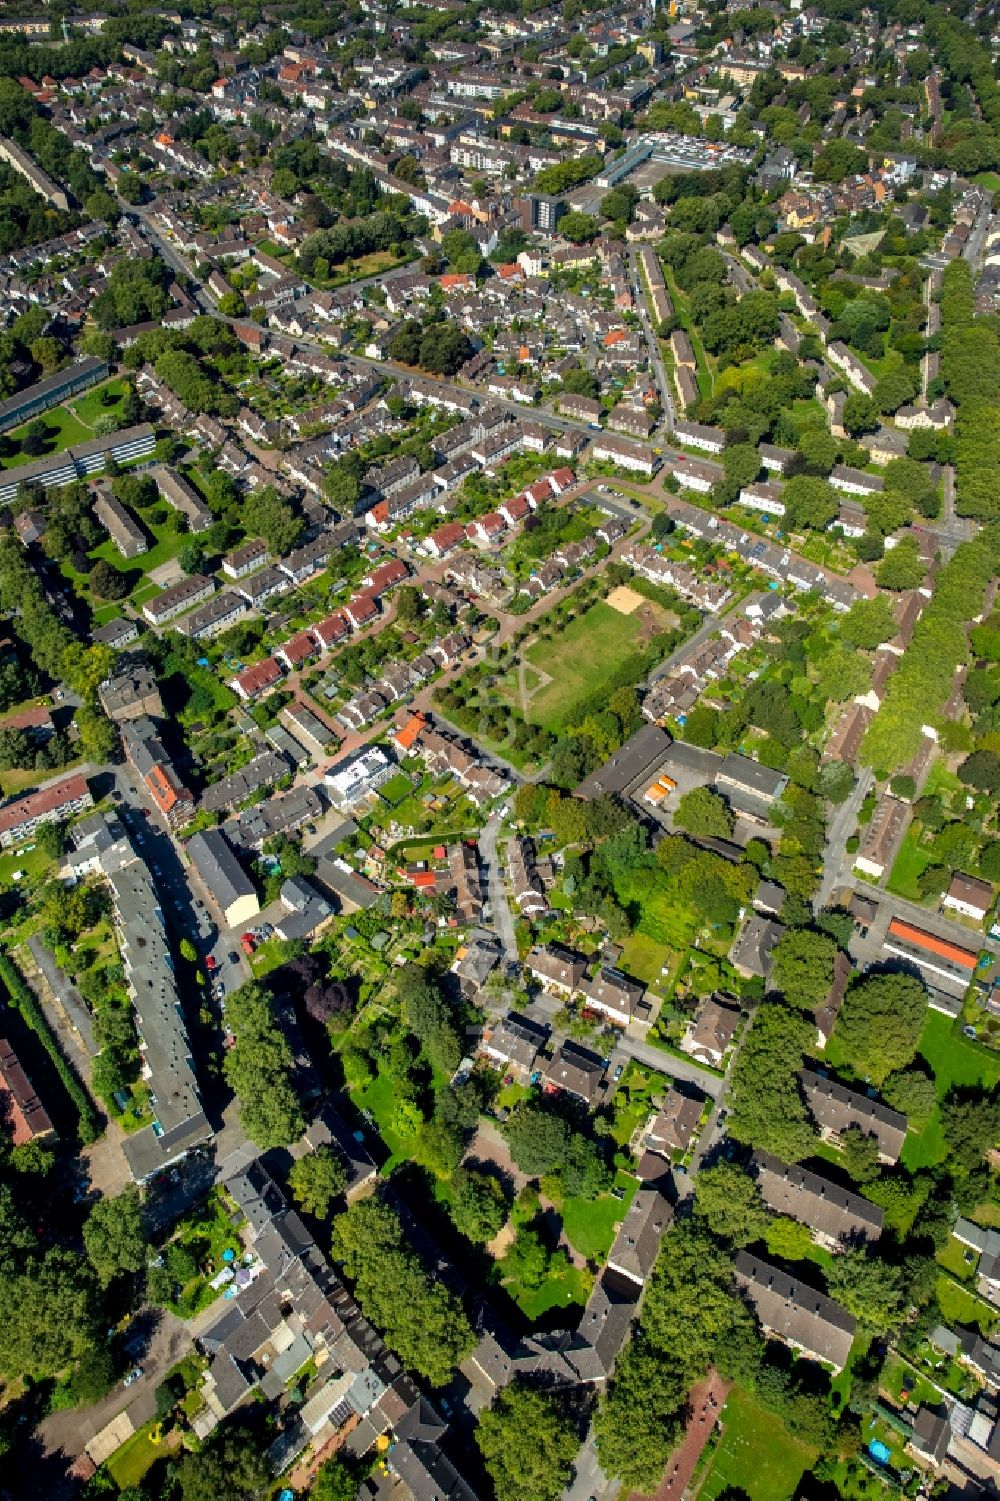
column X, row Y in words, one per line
column 591, row 1224
column 137, row 1455
column 961, row 1307
column 379, row 1099
column 644, row 958
column 63, row 428
column 100, row 401
column 953, row 1060
column 961, row 1261
column 557, row 1291
column 755, row 1454
column 577, row 660
column 912, row 860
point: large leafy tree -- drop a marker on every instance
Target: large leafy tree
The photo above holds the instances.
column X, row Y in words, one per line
column 527, row 1441
column 115, row 1237
column 48, row 1315
column 880, row 1023
column 418, row 1317
column 316, row 1180
column 767, row 1109
column 802, row 967
column 729, row 1202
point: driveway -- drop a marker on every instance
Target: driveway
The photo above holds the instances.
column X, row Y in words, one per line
column 69, row 1432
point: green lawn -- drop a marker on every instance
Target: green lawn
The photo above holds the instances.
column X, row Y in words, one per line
column 960, row 1260
column 590, row 1224
column 953, row 1059
column 380, row 1099
column 912, row 860
column 64, row 429
column 644, row 958
column 577, row 660
column 134, row 1458
column 988, row 180
column 755, row 1454
column 961, row 1307
column 555, row 1292
column 92, row 404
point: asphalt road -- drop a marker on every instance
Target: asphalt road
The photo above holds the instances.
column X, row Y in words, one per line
column 499, row 905
column 840, row 828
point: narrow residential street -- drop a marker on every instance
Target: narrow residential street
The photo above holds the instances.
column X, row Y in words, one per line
column 499, row 905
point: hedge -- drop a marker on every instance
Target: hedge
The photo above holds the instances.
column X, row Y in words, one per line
column 24, row 999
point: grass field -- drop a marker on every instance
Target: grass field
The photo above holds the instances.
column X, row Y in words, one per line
column 555, row 1292
column 756, row 1453
column 73, row 423
column 644, row 958
column 577, row 660
column 960, row 1307
column 953, row 1059
column 590, row 1223
column 912, row 860
column 134, row 1458
column 92, row 404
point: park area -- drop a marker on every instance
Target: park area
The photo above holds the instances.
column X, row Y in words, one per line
column 76, row 422
column 954, row 1061
column 560, row 670
column 755, row 1455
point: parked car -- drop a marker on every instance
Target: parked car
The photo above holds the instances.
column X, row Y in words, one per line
column 133, row 1375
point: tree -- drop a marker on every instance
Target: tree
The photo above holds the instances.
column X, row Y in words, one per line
column 810, row 503
column 767, row 1109
column 538, row 1139
column 902, row 567
column 417, row 1316
column 578, row 227
column 527, row 1260
column 880, row 1023
column 260, row 1068
column 48, row 1315
column 912, row 1092
column 981, row 769
column 107, row 582
column 730, row 1203
column 802, row 967
column 970, row 1121
column 861, row 415
column 528, row 1443
column 479, row 1207
column 316, row 1180
column 868, row 623
column 232, row 1465
column 869, row 1288
column 115, row 1237
column 334, row 1482
column 859, row 1153
column 703, row 813
column 788, row 1239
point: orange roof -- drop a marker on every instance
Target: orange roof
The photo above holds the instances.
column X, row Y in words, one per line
column 164, row 139
column 163, row 792
column 924, row 940
column 523, row 352
column 456, row 279
column 423, row 878
column 614, row 337
column 410, row 733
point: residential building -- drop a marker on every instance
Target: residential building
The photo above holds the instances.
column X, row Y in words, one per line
column 516, row 1043
column 556, row 969
column 253, row 682
column 179, row 1122
column 146, row 753
column 213, row 617
column 675, row 1125
column 614, row 995
column 120, row 525
column 263, row 771
column 576, row 1071
column 796, row 1313
column 637, row 1244
column 21, row 1111
column 835, row 1109
column 21, row 816
column 222, row 876
column 709, row 1036
column 184, row 498
column 246, row 559
column 968, row 896
column 939, row 958
column 881, row 838
column 50, row 392
column 81, row 460
column 176, row 599
column 835, row 1218
column 358, row 775
column 132, row 692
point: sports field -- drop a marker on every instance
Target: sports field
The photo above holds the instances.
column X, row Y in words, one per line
column 755, row 1454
